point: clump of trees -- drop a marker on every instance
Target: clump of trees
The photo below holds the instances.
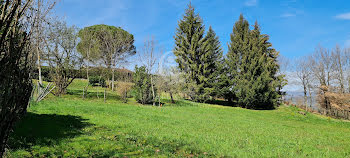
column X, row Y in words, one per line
column 248, row 75
column 326, row 72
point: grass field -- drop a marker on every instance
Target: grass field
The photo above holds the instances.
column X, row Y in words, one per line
column 72, row 127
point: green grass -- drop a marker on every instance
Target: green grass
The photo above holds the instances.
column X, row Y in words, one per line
column 72, row 127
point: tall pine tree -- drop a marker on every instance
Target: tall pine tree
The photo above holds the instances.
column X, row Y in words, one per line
column 237, row 51
column 191, row 55
column 213, row 59
column 252, row 65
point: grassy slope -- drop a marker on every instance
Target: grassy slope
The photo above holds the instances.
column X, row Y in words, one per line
column 70, row 126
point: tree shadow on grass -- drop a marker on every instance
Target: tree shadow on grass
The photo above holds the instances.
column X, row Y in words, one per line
column 45, row 130
column 232, row 104
column 223, row 103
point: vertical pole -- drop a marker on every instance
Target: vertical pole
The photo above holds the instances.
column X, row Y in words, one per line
column 83, row 92
column 104, row 96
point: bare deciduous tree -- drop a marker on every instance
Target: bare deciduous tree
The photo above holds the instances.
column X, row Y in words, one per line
column 149, row 57
column 304, row 73
column 339, row 62
column 321, row 65
column 40, row 10
column 61, row 54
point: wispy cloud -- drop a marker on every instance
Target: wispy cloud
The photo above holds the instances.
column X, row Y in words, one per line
column 251, row 3
column 287, row 15
column 344, row 16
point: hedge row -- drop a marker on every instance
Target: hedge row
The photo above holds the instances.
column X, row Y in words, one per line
column 120, row 74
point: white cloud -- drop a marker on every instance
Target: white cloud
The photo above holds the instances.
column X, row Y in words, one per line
column 344, row 16
column 287, row 15
column 251, row 3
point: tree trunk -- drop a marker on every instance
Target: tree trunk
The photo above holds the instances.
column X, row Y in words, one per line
column 39, row 67
column 87, row 72
column 83, row 92
column 172, row 98
column 113, row 79
column 305, row 96
column 310, row 94
column 153, row 95
column 87, row 64
column 104, row 96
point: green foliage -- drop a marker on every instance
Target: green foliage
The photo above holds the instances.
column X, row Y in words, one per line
column 113, row 43
column 88, row 45
column 252, row 68
column 114, row 46
column 94, row 80
column 120, row 74
column 15, row 66
column 142, row 88
column 196, row 55
column 212, row 61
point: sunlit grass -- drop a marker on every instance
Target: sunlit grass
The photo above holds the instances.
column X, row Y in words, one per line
column 74, row 127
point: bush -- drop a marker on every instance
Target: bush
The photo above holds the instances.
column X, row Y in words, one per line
column 96, row 80
column 120, row 74
column 123, row 89
column 142, row 88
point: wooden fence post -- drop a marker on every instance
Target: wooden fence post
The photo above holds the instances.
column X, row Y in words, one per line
column 83, row 92
column 104, row 96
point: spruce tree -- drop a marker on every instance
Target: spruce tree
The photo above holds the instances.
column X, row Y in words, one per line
column 231, row 81
column 268, row 83
column 213, row 60
column 190, row 53
column 261, row 81
column 252, row 63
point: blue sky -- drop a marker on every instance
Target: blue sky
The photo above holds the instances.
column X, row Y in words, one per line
column 295, row 27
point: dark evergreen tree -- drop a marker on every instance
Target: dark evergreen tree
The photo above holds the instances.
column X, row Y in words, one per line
column 253, row 67
column 230, row 81
column 142, row 88
column 190, row 52
column 213, row 60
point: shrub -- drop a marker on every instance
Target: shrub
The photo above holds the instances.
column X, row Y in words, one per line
column 123, row 89
column 142, row 88
column 96, row 80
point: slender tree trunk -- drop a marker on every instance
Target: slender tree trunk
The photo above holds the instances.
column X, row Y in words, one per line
column 39, row 66
column 87, row 73
column 305, row 95
column 83, row 92
column 104, row 96
column 341, row 78
column 159, row 100
column 113, row 79
column 153, row 95
column 310, row 94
